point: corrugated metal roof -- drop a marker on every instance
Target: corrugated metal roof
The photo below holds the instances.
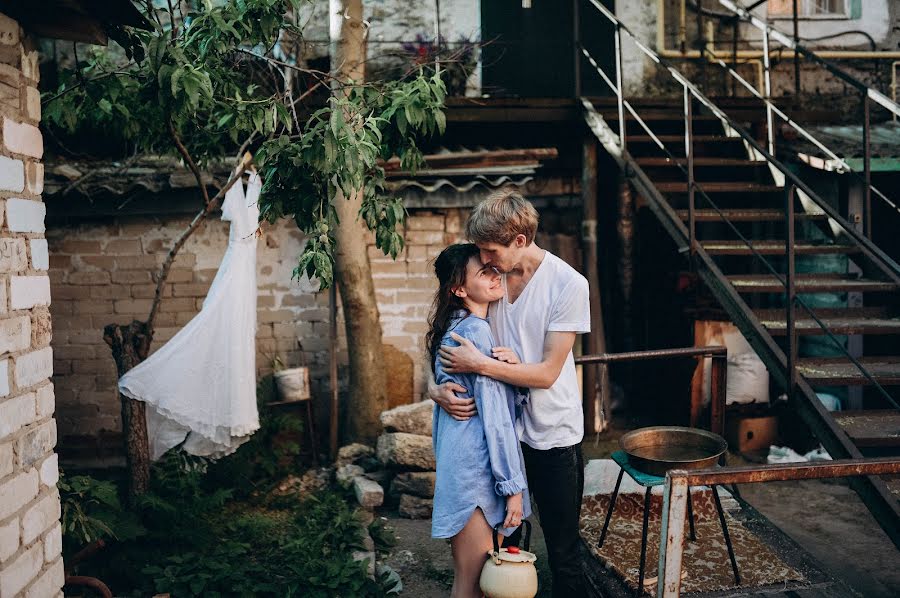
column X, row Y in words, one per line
column 847, row 142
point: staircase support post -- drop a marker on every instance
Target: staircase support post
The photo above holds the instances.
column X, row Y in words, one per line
column 790, row 292
column 620, row 93
column 767, row 92
column 689, row 153
column 867, row 166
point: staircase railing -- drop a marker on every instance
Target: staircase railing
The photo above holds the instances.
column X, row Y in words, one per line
column 867, row 93
column 877, row 257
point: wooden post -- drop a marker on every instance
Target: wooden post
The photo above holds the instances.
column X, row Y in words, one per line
column 596, row 377
column 671, row 536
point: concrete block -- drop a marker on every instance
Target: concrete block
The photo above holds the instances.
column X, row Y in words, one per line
column 12, row 255
column 4, row 378
column 369, row 494
column 15, row 334
column 40, row 517
column 18, row 492
column 12, row 174
column 28, row 291
column 25, row 215
column 21, row 571
column 7, row 459
column 34, row 177
column 49, row 583
column 45, row 401
column 40, row 256
column 34, row 367
column 22, row 138
column 9, row 538
column 32, row 103
column 36, row 443
column 16, row 413
column 9, row 31
column 49, row 471
column 53, row 543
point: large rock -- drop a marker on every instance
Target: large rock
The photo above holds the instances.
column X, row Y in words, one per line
column 369, row 493
column 412, row 419
column 414, row 507
column 313, row 480
column 406, row 451
column 419, row 483
column 345, row 474
column 353, row 453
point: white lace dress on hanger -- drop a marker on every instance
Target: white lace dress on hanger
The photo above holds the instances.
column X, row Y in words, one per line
column 200, row 387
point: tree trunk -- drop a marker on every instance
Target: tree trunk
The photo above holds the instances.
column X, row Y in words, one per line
column 130, row 345
column 368, row 397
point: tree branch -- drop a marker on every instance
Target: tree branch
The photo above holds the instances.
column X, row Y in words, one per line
column 189, row 161
column 179, row 243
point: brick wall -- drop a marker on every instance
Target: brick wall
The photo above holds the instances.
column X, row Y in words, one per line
column 30, row 534
column 102, row 272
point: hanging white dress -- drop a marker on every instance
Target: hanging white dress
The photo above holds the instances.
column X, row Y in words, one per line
column 200, row 387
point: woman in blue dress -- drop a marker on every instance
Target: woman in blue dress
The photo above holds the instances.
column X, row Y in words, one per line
column 480, row 472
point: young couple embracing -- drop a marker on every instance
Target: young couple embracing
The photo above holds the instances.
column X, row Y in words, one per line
column 508, row 419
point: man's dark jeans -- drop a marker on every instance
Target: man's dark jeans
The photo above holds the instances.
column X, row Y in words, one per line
column 556, row 481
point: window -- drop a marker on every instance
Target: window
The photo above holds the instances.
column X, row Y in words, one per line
column 809, row 9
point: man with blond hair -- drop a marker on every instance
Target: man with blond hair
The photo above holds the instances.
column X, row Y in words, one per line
column 546, row 305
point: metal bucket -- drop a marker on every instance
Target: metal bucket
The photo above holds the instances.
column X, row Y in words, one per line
column 658, row 449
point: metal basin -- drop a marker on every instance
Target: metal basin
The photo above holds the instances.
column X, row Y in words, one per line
column 658, row 449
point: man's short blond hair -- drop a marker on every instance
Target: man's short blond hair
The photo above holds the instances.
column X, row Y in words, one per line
column 502, row 216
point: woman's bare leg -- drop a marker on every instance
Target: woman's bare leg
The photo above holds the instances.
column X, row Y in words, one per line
column 470, row 549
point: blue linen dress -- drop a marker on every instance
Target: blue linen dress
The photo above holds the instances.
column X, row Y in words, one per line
column 479, row 461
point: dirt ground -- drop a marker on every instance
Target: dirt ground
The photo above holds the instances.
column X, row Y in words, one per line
column 826, row 518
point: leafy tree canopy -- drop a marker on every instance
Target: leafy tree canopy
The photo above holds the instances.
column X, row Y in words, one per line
column 214, row 78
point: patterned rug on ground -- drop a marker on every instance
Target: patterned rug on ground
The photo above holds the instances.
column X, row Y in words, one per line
column 707, row 567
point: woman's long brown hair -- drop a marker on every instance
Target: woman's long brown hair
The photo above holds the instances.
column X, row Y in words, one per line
column 450, row 269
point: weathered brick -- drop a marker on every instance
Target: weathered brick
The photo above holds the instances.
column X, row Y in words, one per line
column 13, row 257
column 7, row 459
column 34, row 177
column 75, row 246
column 455, row 222
column 88, row 278
column 15, row 334
column 133, row 306
column 112, row 291
column 131, row 277
column 49, row 583
column 95, row 306
column 4, row 378
column 22, row 570
column 190, row 290
column 53, row 543
column 40, row 256
column 41, row 328
column 16, row 413
column 66, row 291
column 179, row 275
column 45, row 400
column 415, row 237
column 425, row 223
column 9, row 31
column 36, row 443
column 34, row 367
column 40, row 516
column 22, row 138
column 49, row 471
column 18, row 492
column 25, row 215
column 123, row 247
column 12, row 174
column 93, row 366
column 32, row 103
column 30, row 64
column 9, row 538
column 28, row 291
column 101, row 262
column 138, row 262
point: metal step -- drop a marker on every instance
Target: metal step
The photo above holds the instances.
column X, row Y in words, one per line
column 719, row 187
column 747, row 215
column 724, row 162
column 773, row 247
column 839, row 321
column 840, row 371
column 808, row 283
column 871, row 428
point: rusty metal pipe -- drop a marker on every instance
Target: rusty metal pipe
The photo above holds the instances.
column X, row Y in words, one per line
column 89, row 582
column 654, row 354
column 782, row 472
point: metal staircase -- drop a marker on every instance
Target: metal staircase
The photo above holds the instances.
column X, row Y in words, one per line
column 746, row 222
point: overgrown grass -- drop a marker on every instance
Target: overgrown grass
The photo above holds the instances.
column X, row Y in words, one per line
column 206, row 529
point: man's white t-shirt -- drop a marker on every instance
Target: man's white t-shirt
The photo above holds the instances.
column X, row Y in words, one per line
column 556, row 299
